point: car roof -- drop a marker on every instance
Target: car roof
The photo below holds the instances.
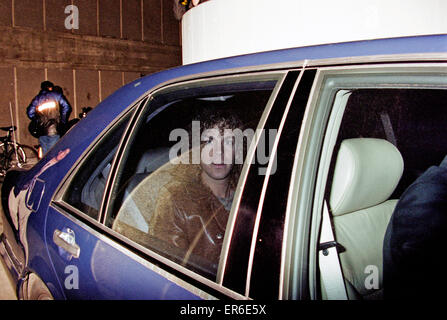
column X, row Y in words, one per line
column 405, row 45
column 101, row 116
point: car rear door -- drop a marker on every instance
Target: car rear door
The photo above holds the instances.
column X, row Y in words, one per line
column 92, row 256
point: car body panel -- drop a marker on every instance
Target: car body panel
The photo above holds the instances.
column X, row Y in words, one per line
column 102, row 271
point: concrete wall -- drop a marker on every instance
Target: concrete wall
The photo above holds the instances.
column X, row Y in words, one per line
column 117, row 41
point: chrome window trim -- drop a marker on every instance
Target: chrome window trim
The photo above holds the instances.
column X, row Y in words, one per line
column 265, row 183
column 378, row 59
column 294, row 191
column 299, row 222
column 297, row 170
column 242, row 181
column 310, row 62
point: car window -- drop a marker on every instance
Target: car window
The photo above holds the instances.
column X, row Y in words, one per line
column 386, row 128
column 86, row 189
column 179, row 173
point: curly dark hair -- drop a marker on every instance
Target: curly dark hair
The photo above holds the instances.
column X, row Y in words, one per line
column 222, row 118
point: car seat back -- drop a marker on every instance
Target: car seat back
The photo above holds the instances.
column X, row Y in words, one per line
column 367, row 171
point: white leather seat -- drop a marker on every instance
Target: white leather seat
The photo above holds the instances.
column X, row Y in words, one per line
column 366, row 173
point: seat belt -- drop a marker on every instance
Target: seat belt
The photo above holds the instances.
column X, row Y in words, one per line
column 330, row 269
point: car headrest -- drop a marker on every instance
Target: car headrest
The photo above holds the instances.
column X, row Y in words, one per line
column 367, row 171
column 152, row 160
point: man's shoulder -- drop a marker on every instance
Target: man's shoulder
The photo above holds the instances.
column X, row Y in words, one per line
column 183, row 189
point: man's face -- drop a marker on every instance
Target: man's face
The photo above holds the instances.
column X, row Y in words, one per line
column 217, row 154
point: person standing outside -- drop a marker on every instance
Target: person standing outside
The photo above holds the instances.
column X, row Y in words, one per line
column 50, row 109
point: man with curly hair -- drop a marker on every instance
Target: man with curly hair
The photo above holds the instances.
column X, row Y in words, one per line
column 192, row 211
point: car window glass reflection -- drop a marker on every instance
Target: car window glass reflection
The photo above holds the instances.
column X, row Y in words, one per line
column 180, row 173
column 192, row 211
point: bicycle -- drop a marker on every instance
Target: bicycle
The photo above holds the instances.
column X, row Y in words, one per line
column 12, row 154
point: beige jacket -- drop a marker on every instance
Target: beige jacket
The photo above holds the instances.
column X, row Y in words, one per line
column 189, row 217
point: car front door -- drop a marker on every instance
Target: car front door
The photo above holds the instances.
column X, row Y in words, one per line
column 385, row 117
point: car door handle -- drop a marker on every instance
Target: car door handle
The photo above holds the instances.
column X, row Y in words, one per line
column 67, row 241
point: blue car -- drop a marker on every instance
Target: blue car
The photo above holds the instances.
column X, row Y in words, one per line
column 139, row 201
